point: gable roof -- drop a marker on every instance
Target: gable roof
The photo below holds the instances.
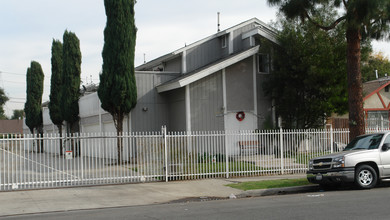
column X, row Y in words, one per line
column 206, row 71
column 372, row 87
column 262, row 29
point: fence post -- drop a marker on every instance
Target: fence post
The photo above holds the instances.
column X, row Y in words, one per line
column 81, row 155
column 281, row 151
column 227, row 156
column 164, row 131
column 331, row 139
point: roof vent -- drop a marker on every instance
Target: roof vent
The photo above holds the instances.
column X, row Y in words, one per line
column 218, row 21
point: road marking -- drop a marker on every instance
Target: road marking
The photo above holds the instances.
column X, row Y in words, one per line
column 316, row 195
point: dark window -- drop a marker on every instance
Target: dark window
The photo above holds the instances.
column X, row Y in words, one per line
column 263, row 63
column 371, row 141
column 387, row 89
column 224, row 41
column 387, row 140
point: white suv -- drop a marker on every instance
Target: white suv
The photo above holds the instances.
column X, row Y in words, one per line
column 364, row 161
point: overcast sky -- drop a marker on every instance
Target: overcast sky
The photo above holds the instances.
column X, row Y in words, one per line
column 28, row 28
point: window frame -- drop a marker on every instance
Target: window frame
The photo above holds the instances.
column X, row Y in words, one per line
column 262, row 65
column 224, row 41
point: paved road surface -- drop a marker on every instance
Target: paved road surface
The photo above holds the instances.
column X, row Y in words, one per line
column 337, row 204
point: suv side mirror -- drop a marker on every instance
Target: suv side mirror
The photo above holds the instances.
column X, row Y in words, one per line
column 385, row 146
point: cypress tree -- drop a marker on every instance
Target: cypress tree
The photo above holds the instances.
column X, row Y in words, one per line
column 33, row 105
column 71, row 63
column 117, row 90
column 55, row 104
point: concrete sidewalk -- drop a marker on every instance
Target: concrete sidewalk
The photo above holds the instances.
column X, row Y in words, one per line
column 65, row 199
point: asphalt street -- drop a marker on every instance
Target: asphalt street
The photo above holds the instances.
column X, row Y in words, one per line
column 333, row 204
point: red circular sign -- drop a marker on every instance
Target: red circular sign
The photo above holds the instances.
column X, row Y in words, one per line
column 240, row 116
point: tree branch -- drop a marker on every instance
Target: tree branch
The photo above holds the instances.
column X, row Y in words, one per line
column 326, row 28
column 345, row 3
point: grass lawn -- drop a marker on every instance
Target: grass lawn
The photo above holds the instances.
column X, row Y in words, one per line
column 303, row 158
column 268, row 184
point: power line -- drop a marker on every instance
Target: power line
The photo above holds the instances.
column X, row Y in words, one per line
column 13, row 82
column 19, row 74
column 10, row 101
column 16, row 82
column 15, row 102
column 12, row 73
column 17, row 98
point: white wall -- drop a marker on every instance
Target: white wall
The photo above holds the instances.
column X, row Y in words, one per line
column 232, row 124
column 89, row 105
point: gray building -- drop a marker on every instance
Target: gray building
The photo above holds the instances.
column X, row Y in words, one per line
column 212, row 84
column 218, row 82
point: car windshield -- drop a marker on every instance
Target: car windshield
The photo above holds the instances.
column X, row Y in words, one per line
column 365, row 142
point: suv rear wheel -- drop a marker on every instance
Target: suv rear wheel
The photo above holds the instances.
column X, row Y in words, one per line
column 365, row 177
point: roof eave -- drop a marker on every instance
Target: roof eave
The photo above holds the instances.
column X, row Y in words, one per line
column 261, row 32
column 376, row 91
column 221, row 33
column 155, row 62
column 208, row 71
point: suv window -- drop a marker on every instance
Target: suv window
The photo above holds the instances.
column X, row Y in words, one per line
column 387, row 140
column 365, row 142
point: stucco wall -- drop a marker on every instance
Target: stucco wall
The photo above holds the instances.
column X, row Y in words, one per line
column 373, row 102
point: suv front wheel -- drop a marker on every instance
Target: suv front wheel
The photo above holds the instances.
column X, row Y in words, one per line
column 365, row 177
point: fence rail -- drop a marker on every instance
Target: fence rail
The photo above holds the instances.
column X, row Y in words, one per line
column 30, row 161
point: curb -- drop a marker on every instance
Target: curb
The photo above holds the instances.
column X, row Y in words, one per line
column 278, row 191
column 253, row 193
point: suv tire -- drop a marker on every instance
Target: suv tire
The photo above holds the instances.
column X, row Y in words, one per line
column 365, row 177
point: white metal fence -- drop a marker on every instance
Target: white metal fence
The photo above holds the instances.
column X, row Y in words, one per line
column 29, row 162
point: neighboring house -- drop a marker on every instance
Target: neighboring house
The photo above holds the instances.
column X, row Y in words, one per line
column 338, row 121
column 377, row 103
column 11, row 126
column 212, row 84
